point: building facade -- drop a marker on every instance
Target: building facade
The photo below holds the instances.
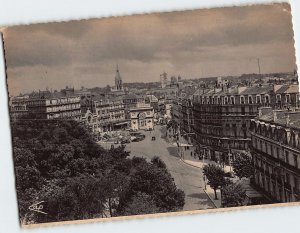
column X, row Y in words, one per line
column 275, row 149
column 130, row 100
column 107, row 115
column 222, row 115
column 49, row 105
column 142, row 117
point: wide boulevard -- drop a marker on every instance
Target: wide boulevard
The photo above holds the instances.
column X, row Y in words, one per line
column 186, row 177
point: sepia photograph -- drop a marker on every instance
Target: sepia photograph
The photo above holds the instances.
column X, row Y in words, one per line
column 150, row 114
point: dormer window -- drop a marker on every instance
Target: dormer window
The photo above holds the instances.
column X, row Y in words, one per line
column 267, row 99
column 232, row 100
column 250, row 99
column 242, row 100
column 226, row 99
column 278, row 98
column 258, row 99
column 287, row 98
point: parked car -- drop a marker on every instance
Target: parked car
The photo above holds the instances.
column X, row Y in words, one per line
column 138, row 138
column 125, row 141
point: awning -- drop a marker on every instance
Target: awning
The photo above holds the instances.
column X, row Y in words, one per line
column 121, row 123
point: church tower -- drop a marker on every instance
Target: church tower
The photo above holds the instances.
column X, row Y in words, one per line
column 118, row 81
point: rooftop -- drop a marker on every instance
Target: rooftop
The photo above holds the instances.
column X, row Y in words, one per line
column 289, row 118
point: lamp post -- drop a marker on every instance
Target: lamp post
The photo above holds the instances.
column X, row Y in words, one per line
column 229, row 158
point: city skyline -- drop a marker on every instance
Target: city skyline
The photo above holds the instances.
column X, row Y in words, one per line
column 217, row 42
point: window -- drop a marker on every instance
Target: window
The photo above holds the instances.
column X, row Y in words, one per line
column 267, row 99
column 287, row 157
column 278, row 98
column 227, row 110
column 250, row 100
column 287, row 178
column 234, row 129
column 242, row 100
column 232, row 100
column 226, row 100
column 258, row 99
column 295, row 160
column 287, row 98
column 243, row 110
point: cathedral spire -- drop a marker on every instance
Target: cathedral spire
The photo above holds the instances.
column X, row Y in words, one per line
column 118, row 80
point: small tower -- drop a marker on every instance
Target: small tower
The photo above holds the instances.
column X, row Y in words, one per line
column 118, row 80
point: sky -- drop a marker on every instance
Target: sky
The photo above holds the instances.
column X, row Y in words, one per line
column 192, row 44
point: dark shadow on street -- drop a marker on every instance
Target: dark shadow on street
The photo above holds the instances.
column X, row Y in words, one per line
column 173, row 151
column 202, row 198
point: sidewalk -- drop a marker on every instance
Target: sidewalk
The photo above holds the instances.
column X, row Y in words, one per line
column 206, row 188
column 199, row 163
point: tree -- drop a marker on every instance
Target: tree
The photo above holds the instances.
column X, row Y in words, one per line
column 158, row 162
column 59, row 163
column 233, row 195
column 155, row 182
column 242, row 166
column 215, row 176
column 141, row 203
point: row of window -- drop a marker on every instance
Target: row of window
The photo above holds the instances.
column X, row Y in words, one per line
column 63, row 114
column 291, row 138
column 63, row 108
column 258, row 99
column 63, row 100
column 276, row 151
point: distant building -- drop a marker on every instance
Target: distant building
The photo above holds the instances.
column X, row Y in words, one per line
column 118, row 88
column 153, row 101
column 275, row 149
column 164, row 80
column 173, row 80
column 107, row 115
column 48, row 105
column 142, row 117
column 131, row 100
column 111, row 115
column 18, row 107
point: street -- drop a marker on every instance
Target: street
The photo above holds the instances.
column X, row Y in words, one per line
column 186, row 177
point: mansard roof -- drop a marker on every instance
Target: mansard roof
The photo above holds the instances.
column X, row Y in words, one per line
column 288, row 118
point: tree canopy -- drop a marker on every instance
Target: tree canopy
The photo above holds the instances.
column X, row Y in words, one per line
column 215, row 176
column 242, row 166
column 233, row 195
column 59, row 163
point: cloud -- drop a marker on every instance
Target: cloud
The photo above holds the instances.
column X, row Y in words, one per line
column 219, row 41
